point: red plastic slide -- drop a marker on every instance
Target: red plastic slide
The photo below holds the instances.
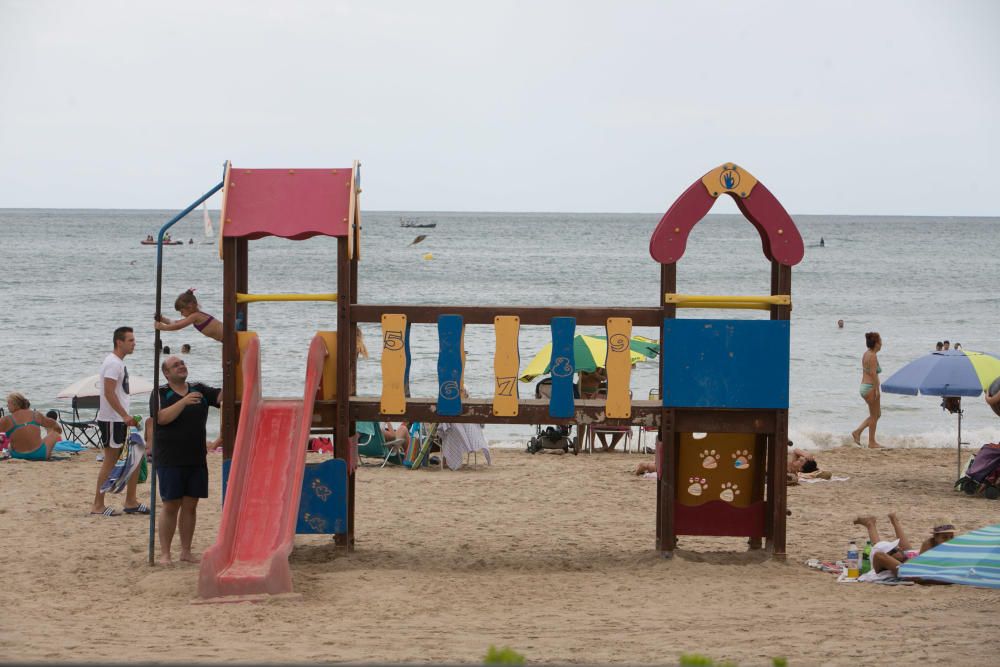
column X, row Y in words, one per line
column 250, row 554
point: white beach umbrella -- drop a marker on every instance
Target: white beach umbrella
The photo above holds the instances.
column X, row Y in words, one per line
column 90, row 386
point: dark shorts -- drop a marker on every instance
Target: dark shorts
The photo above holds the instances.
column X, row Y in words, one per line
column 178, row 482
column 118, row 429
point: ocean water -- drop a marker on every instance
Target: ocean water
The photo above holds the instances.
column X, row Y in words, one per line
column 69, row 277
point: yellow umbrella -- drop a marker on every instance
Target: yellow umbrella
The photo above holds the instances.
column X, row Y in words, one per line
column 589, row 354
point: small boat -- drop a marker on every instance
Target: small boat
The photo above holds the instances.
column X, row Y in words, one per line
column 412, row 222
column 149, row 240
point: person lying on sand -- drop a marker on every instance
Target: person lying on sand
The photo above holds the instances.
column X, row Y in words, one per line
column 888, row 555
column 644, row 467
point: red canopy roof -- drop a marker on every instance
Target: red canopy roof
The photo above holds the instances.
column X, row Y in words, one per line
column 291, row 203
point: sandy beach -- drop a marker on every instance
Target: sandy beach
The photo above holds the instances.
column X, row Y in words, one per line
column 551, row 555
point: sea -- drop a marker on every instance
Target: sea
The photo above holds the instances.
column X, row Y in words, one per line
column 68, row 278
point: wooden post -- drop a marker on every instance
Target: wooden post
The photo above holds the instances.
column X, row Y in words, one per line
column 230, row 350
column 781, row 283
column 345, row 373
column 666, row 540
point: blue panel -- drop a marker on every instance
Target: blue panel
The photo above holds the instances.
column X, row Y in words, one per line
column 226, row 465
column 406, row 348
column 323, row 505
column 563, row 367
column 725, row 363
column 449, row 365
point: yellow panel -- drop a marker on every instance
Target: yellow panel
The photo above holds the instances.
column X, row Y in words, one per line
column 619, row 365
column 720, row 466
column 242, row 340
column 328, row 383
column 505, row 365
column 253, row 298
column 729, row 178
column 393, row 364
column 727, row 302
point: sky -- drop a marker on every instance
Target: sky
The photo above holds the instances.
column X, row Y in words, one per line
column 865, row 108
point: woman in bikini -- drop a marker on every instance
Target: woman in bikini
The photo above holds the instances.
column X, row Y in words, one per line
column 187, row 305
column 23, row 427
column 870, row 390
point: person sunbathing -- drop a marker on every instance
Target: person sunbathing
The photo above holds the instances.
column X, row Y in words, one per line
column 401, row 432
column 23, row 427
column 888, row 555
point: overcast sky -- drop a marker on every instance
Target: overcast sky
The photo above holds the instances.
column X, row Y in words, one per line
column 838, row 107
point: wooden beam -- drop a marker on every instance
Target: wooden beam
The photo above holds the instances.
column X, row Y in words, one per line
column 529, row 315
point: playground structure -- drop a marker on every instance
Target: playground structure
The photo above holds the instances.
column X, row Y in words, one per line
column 727, row 379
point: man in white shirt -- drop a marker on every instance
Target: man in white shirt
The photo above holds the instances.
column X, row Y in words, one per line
column 113, row 419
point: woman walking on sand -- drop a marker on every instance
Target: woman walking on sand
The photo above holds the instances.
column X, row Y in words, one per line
column 870, row 390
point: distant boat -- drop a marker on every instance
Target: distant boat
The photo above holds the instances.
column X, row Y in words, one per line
column 412, row 222
column 149, row 240
column 209, row 232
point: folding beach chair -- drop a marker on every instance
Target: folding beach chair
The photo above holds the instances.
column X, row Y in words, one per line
column 80, row 428
column 372, row 444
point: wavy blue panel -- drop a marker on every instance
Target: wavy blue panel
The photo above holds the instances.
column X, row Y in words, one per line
column 449, row 365
column 323, row 505
column 563, row 367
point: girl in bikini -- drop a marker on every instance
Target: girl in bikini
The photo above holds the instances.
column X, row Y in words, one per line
column 187, row 305
column 870, row 390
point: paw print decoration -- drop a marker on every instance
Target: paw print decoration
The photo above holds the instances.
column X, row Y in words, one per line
column 709, row 459
column 729, row 491
column 698, row 486
column 741, row 459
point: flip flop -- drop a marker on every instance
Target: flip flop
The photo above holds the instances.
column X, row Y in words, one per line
column 107, row 512
column 141, row 508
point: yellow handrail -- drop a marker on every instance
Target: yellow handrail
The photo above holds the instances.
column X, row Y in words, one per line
column 250, row 298
column 715, row 301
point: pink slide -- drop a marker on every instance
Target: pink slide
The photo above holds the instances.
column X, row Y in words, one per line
column 250, row 554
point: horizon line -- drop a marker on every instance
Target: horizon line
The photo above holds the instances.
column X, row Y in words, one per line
column 527, row 212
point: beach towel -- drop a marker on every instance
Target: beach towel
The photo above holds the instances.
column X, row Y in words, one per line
column 813, row 480
column 460, row 439
column 128, row 462
column 68, row 446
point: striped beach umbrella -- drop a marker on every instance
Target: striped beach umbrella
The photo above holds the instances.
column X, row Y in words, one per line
column 952, row 373
column 945, row 373
column 972, row 559
column 589, row 354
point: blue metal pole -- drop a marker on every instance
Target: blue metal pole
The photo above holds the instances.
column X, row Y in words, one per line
column 155, row 403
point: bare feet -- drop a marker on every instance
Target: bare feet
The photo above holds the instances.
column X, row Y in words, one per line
column 189, row 558
column 865, row 520
column 873, row 445
column 165, row 560
column 856, row 437
column 892, row 517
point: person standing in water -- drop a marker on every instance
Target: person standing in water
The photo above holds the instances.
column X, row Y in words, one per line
column 870, row 390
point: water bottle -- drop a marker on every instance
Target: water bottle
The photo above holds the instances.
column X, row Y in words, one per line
column 852, row 562
column 866, row 557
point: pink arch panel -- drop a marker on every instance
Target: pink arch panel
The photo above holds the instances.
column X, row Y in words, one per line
column 779, row 236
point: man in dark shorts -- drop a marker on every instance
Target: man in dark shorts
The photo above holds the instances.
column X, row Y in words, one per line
column 113, row 421
column 179, row 452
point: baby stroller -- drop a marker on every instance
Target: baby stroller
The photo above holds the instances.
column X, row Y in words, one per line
column 983, row 473
column 552, row 437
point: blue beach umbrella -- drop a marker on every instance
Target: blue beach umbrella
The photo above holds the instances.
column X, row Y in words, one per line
column 952, row 373
column 945, row 373
column 972, row 559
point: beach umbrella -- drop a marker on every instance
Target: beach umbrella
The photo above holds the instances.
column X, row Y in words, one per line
column 90, row 386
column 647, row 347
column 589, row 354
column 948, row 373
column 972, row 559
